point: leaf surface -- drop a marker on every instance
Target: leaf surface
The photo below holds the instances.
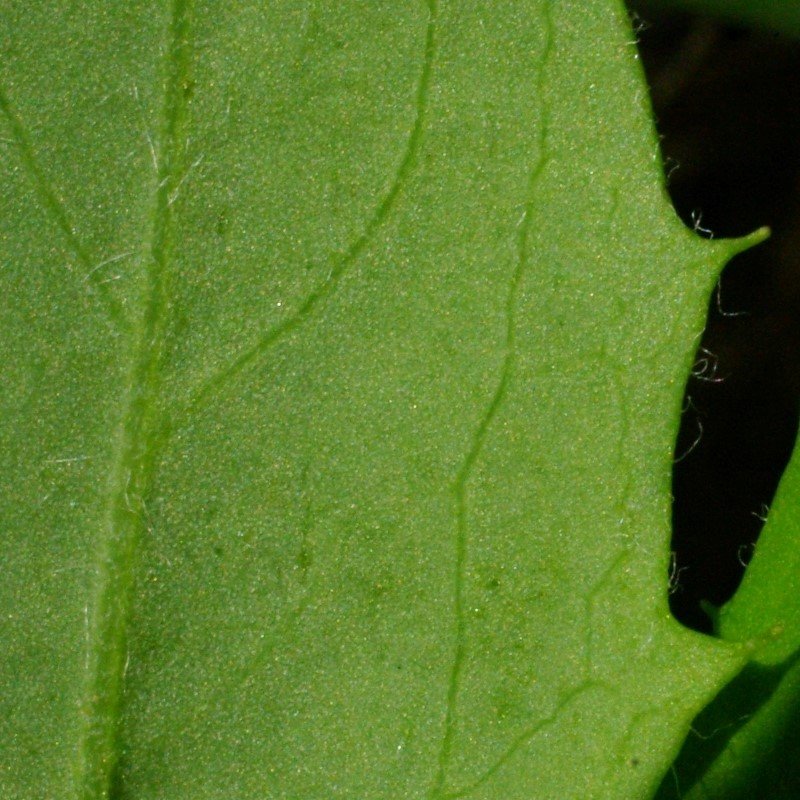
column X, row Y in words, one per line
column 344, row 347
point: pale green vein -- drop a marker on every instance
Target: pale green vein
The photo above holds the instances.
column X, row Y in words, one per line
column 316, row 298
column 566, row 699
column 136, row 452
column 55, row 209
column 562, row 707
column 460, row 485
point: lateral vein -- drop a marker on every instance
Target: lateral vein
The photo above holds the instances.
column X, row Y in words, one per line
column 407, row 163
column 461, row 482
column 54, row 208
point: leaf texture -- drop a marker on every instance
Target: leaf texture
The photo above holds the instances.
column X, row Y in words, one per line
column 343, row 346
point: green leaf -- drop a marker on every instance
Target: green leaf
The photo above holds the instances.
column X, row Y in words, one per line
column 744, row 745
column 343, row 347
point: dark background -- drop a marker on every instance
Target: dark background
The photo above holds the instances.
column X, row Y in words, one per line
column 727, row 107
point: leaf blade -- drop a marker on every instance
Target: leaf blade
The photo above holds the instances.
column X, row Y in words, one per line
column 480, row 404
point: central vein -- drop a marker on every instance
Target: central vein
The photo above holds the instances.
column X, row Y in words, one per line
column 135, row 453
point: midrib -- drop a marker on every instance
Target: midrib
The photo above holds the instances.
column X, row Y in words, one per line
column 136, row 451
